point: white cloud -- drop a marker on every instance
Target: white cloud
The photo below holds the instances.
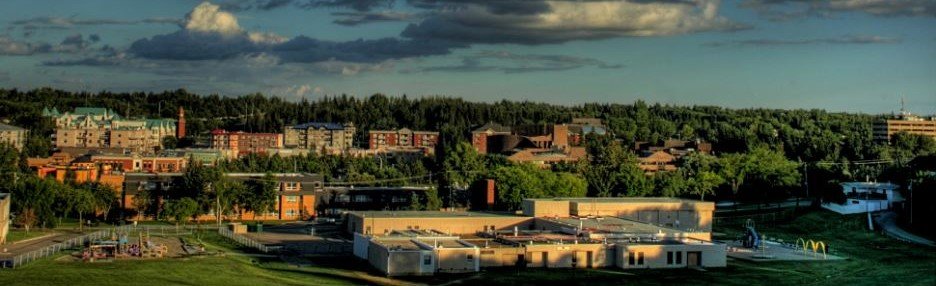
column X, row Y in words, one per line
column 562, row 21
column 207, row 17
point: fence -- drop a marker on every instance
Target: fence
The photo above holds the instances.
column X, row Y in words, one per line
column 34, row 255
column 21, row 259
column 760, row 218
column 245, row 241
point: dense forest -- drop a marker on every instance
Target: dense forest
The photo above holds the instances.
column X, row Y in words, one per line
column 759, row 154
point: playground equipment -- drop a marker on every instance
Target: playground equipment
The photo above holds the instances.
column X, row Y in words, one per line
column 119, row 246
column 751, row 238
column 815, row 246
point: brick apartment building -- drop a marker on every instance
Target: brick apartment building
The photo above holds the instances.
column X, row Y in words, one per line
column 241, row 143
column 295, row 193
column 402, row 139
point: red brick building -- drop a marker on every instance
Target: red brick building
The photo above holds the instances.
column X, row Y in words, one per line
column 402, row 139
column 245, row 143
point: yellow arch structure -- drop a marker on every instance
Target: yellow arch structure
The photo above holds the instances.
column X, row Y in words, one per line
column 798, row 240
column 815, row 246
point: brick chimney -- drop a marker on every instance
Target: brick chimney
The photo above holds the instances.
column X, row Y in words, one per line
column 180, row 129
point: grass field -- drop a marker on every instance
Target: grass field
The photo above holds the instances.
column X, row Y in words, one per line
column 236, row 267
column 872, row 260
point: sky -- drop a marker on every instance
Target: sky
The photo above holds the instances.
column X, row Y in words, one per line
column 838, row 55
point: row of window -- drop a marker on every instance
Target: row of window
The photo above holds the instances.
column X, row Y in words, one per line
column 635, row 258
column 670, row 255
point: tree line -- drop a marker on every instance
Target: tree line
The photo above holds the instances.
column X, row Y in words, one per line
column 759, row 154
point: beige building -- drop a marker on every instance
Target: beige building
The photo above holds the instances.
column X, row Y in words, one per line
column 906, row 122
column 418, row 252
column 324, row 138
column 552, row 233
column 4, row 217
column 103, row 128
column 12, row 135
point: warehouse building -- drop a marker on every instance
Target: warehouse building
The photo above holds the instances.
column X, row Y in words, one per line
column 628, row 233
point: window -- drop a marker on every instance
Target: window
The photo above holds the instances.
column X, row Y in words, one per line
column 470, row 257
column 343, row 198
column 640, row 258
column 630, row 258
column 292, row 199
column 669, row 257
column 679, row 257
column 427, row 260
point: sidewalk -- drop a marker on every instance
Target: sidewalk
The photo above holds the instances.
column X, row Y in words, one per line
column 888, row 222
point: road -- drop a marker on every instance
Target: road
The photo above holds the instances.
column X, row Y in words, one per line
column 888, row 221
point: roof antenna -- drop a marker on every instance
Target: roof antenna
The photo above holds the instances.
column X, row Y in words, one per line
column 903, row 109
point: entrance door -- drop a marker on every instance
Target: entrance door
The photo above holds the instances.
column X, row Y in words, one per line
column 694, row 258
column 588, row 261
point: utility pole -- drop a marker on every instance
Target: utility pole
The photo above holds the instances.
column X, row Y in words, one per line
column 806, row 180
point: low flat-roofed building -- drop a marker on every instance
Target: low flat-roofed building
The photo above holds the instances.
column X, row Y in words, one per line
column 863, row 197
column 627, row 233
column 417, row 252
column 337, row 200
column 5, row 202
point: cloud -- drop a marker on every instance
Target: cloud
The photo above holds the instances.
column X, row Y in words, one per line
column 844, row 40
column 12, row 47
column 508, row 62
column 71, row 44
column 358, row 18
column 64, row 23
column 5, row 76
column 563, row 21
column 208, row 18
column 357, row 5
column 779, row 10
column 212, row 34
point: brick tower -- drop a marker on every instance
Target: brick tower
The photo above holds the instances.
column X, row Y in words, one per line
column 180, row 130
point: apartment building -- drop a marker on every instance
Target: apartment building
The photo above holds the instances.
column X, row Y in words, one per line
column 402, row 139
column 479, row 137
column 295, row 193
column 324, row 138
column 90, row 127
column 13, row 136
column 885, row 129
column 241, row 143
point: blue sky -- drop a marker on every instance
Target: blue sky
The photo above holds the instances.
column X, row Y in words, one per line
column 840, row 55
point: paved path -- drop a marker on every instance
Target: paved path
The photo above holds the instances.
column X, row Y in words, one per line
column 16, row 248
column 888, row 221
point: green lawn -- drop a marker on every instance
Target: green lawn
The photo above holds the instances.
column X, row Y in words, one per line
column 234, row 268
